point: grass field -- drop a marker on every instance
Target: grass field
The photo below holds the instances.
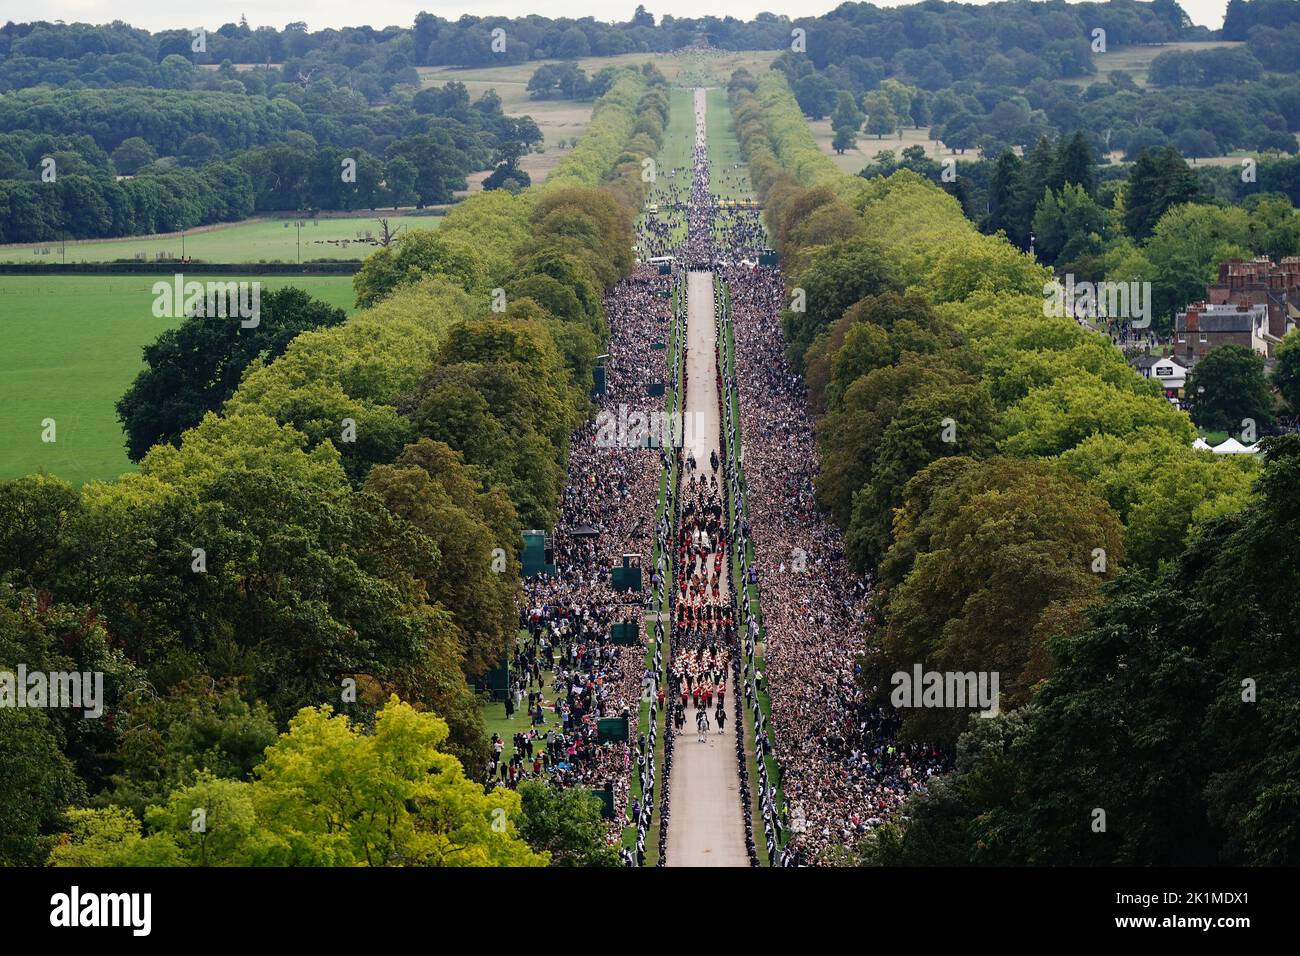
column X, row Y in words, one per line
column 1136, row 60
column 251, row 240
column 728, row 174
column 854, row 159
column 672, row 164
column 560, row 120
column 72, row 347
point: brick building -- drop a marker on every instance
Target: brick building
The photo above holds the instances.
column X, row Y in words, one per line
column 1260, row 281
column 1204, row 327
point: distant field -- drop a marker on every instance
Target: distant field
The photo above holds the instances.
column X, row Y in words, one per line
column 251, row 240
column 672, row 165
column 1136, row 60
column 71, row 347
column 868, row 145
column 560, row 120
column 729, row 176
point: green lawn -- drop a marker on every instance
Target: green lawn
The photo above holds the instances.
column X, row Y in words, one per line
column 252, row 240
column 724, row 150
column 495, row 721
column 71, row 348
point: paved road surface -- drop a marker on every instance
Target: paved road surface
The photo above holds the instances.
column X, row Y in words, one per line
column 707, row 827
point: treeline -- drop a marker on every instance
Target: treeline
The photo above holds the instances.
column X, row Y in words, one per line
column 228, row 123
column 1030, row 507
column 1243, row 17
column 344, row 528
column 998, row 111
column 1158, row 220
column 930, row 44
column 568, row 81
column 1204, row 67
column 417, row 154
column 162, row 119
column 933, row 45
column 371, row 61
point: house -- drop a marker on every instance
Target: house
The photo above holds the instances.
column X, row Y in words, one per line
column 1204, row 327
column 1171, row 375
column 1260, row 281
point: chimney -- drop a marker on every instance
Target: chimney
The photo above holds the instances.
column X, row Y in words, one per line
column 1193, row 319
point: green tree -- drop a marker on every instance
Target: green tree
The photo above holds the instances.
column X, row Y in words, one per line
column 194, row 368
column 1068, row 225
column 195, row 728
column 1162, row 489
column 132, row 153
column 1005, row 189
column 1074, row 164
column 1185, row 249
column 329, row 793
column 881, row 118
column 1193, row 768
column 1227, row 387
column 843, row 274
column 1274, row 228
column 475, row 532
column 198, row 149
column 844, row 139
column 994, row 558
column 846, row 113
column 566, row 824
column 1286, row 375
column 1158, row 181
column 391, row 798
column 38, row 782
column 1057, row 416
column 415, row 254
column 931, row 422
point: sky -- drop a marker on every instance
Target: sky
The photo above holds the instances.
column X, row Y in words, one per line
column 152, row 15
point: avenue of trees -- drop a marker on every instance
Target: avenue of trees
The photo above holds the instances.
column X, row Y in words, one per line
column 1021, row 494
column 343, row 530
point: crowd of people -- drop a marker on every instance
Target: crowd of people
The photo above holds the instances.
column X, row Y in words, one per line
column 566, row 662
column 843, row 770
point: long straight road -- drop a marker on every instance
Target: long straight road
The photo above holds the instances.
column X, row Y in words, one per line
column 707, row 827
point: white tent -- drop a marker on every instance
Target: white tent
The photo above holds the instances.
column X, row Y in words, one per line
column 1201, row 444
column 1232, row 447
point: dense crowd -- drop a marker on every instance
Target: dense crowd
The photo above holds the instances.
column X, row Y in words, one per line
column 843, row 769
column 566, row 662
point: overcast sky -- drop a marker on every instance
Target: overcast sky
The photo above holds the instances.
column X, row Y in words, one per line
column 153, row 15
